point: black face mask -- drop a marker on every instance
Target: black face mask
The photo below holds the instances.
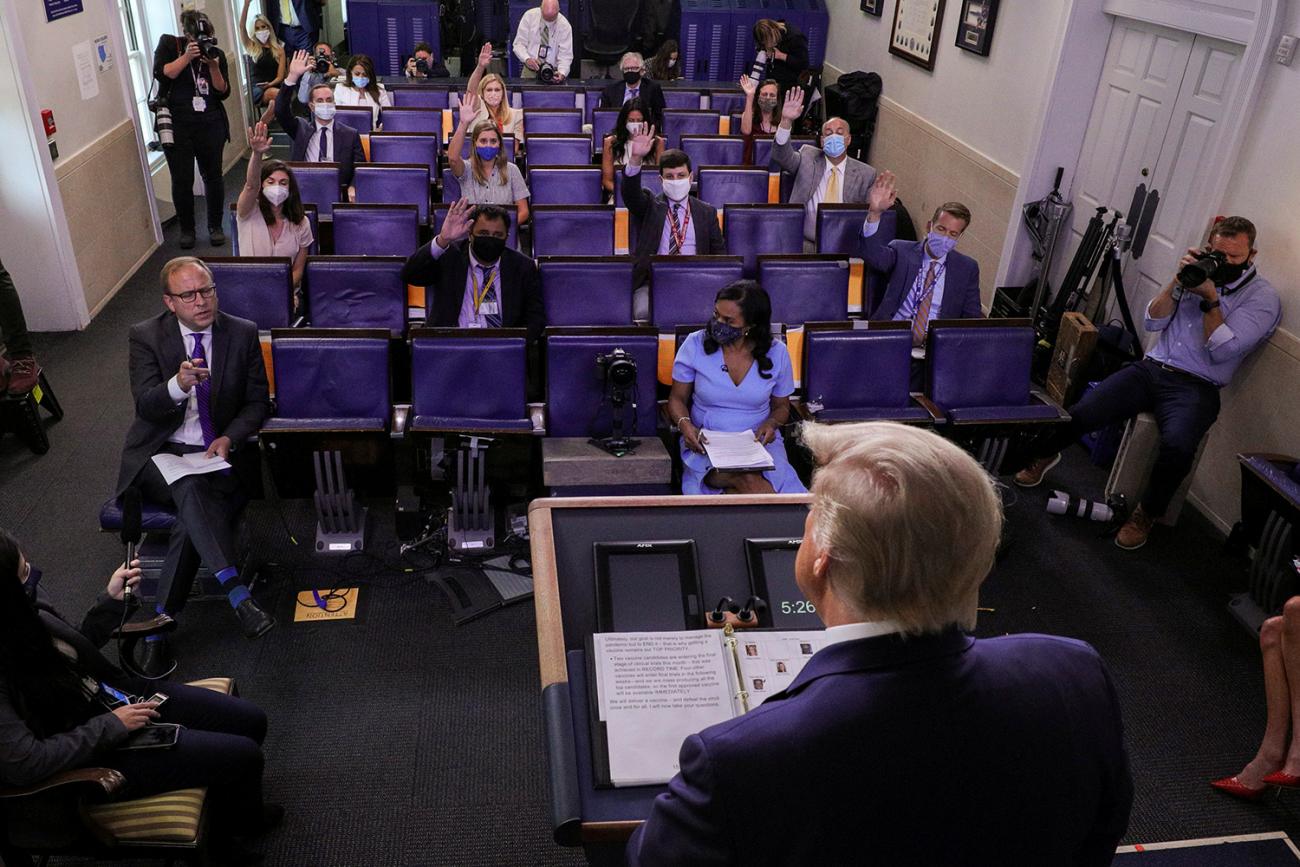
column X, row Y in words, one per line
column 487, row 249
column 1228, row 273
column 33, row 579
column 631, row 77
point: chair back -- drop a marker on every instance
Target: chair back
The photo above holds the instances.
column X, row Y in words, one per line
column 438, row 213
column 681, row 99
column 469, row 379
column 318, row 185
column 725, row 185
column 576, row 402
column 507, row 142
column 978, row 362
column 603, row 121
column 714, row 150
column 573, row 230
column 550, row 149
column 591, row 99
column 360, row 117
column 406, row 147
column 587, row 290
column 376, row 230
column 808, row 288
column 682, row 288
column 763, row 147
column 857, row 373
column 547, row 97
column 754, row 230
column 565, row 185
column 332, row 376
column 394, row 184
column 356, row 292
column 679, row 122
column 450, row 187
column 425, row 120
column 421, row 96
column 259, row 288
column 651, row 180
column 726, row 102
column 562, row 121
column 839, row 229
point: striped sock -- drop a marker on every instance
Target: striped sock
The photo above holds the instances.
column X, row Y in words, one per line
column 236, row 593
column 161, row 609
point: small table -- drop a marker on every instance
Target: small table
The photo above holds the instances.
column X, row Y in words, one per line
column 573, row 462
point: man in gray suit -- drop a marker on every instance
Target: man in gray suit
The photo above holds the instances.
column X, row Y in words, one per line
column 826, row 174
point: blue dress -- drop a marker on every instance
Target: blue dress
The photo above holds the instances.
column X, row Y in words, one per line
column 719, row 404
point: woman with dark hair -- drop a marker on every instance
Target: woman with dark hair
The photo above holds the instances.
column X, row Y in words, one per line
column 362, row 87
column 785, row 48
column 744, row 387
column 632, row 120
column 269, row 215
column 762, row 112
column 64, row 706
column 488, row 178
column 664, row 66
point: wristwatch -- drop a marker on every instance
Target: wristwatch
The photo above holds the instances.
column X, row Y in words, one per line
column 1207, row 306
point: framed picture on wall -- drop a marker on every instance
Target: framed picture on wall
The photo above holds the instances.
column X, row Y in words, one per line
column 915, row 33
column 873, row 7
column 975, row 27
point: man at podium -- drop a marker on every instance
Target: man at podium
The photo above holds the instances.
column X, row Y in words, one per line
column 904, row 740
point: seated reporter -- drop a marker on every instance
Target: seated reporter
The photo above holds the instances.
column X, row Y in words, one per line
column 478, row 283
column 614, row 149
column 269, row 214
column 319, row 140
column 488, row 178
column 362, row 87
column 732, row 376
column 493, row 99
column 55, row 710
column 635, row 86
column 904, row 741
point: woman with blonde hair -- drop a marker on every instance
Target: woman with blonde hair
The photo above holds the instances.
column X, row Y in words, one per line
column 268, row 59
column 494, row 101
column 491, row 179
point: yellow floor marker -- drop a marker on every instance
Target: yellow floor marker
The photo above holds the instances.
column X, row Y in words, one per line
column 340, row 604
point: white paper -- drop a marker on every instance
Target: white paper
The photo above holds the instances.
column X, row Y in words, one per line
column 736, row 451
column 769, row 661
column 103, row 54
column 174, row 467
column 83, row 60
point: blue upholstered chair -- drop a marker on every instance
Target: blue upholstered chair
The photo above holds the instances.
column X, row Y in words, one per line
column 839, row 229
column 561, row 121
column 602, row 124
column 754, row 230
column 425, row 120
column 859, row 374
column 726, row 102
column 376, row 230
column 318, row 185
column 394, row 184
column 356, row 292
column 259, row 288
column 680, row 122
column 551, row 149
column 680, row 99
column 330, row 380
column 507, row 142
column 738, row 185
column 574, row 393
column 359, row 117
column 714, row 150
column 650, row 180
column 587, row 291
column 806, row 288
column 406, row 147
column 547, row 96
column 469, row 381
column 565, row 185
column 421, row 96
column 438, row 213
column 450, row 187
column 977, row 373
column 591, row 99
column 763, row 147
column 682, row 288
column 573, row 230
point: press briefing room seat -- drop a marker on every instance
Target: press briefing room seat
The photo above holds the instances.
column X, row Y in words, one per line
column 394, row 184
column 806, row 288
column 977, row 373
column 839, row 232
column 376, row 230
column 560, row 121
column 573, row 230
column 714, row 150
column 860, row 374
column 682, row 288
column 420, row 96
column 565, row 185
column 547, row 96
column 507, row 142
column 763, row 146
column 551, row 149
column 1270, row 516
column 356, row 292
column 754, row 230
column 603, row 121
column 406, row 147
column 651, row 181
column 680, row 122
column 318, row 185
column 682, row 100
column 574, row 391
column 727, row 185
column 586, row 290
column 591, row 99
column 360, row 118
column 438, row 213
column 259, row 288
column 726, row 103
column 469, row 381
column 425, row 120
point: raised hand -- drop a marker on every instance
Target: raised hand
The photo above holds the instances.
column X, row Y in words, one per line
column 468, row 108
column 258, row 138
column 641, row 145
column 485, row 55
column 298, row 66
column 793, row 107
column 883, row 193
column 455, row 225
column 749, row 85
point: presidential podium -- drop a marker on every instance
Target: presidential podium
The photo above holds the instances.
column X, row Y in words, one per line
column 723, row 541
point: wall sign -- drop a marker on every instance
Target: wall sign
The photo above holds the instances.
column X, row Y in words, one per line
column 56, row 9
column 916, row 31
column 975, row 27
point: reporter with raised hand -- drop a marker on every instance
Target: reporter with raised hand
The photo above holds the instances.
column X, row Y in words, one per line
column 319, row 140
column 269, row 215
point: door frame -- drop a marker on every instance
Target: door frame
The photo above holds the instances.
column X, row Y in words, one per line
column 1078, row 58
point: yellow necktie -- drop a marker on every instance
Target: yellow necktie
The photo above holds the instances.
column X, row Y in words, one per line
column 833, row 187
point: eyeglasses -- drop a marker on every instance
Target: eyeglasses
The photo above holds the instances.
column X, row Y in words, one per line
column 188, row 297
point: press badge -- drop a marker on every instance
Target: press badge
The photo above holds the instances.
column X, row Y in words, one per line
column 200, row 104
column 543, row 51
column 201, row 85
column 488, row 308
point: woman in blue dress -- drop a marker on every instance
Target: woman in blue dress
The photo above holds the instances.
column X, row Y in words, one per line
column 732, row 376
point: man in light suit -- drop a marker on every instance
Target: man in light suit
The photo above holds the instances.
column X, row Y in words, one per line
column 199, row 385
column 926, row 280
column 826, row 174
column 904, row 740
column 673, row 224
column 319, row 140
column 635, row 85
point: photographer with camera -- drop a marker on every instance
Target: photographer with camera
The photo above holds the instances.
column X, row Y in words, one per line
column 544, row 43
column 1214, row 313
column 321, row 70
column 193, row 81
column 422, row 63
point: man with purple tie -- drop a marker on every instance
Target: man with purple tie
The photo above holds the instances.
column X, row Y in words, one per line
column 199, row 386
column 904, row 740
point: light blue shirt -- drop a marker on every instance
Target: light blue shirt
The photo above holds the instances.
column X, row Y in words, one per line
column 1251, row 312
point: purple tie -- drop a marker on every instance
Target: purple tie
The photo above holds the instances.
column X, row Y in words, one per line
column 203, row 391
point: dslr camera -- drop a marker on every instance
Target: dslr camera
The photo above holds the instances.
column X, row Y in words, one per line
column 422, row 67
column 321, row 63
column 617, row 369
column 546, row 73
column 202, row 34
column 1207, row 264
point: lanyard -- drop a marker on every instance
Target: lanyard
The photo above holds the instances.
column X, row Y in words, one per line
column 679, row 232
column 918, row 287
column 480, row 296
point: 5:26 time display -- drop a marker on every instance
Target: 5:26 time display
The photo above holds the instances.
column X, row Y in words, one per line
column 801, row 606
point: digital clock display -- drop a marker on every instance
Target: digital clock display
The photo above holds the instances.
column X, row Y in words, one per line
column 771, row 572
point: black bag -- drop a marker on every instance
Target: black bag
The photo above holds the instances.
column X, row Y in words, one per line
column 855, row 97
column 1116, row 347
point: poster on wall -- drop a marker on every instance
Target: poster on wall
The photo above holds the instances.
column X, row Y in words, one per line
column 56, row 9
column 873, row 7
column 916, row 31
column 975, row 27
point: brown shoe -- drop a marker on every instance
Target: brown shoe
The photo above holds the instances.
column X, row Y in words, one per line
column 1032, row 475
column 1133, row 534
column 23, row 374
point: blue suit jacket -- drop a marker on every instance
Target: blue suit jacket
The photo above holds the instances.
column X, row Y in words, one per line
column 347, row 141
column 899, row 261
column 940, row 749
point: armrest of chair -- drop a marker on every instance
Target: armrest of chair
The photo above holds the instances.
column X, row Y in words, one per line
column 665, row 423
column 107, row 780
column 537, row 415
column 401, row 419
column 156, row 625
column 929, row 406
column 1042, row 397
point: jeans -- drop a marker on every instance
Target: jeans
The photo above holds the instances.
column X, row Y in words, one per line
column 13, row 325
column 205, row 142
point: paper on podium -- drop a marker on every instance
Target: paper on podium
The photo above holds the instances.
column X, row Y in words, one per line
column 175, row 467
column 736, row 451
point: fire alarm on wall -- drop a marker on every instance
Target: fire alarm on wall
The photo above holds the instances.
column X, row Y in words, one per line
column 47, row 118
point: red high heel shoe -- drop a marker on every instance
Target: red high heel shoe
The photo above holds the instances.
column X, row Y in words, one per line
column 1233, row 786
column 1282, row 778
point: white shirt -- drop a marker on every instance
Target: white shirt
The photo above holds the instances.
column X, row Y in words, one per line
column 907, row 309
column 854, row 631
column 313, row 145
column 190, row 433
column 468, row 316
column 627, row 89
column 528, row 40
column 819, row 193
column 347, row 95
column 688, row 243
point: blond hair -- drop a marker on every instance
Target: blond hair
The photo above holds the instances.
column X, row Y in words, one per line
column 909, row 521
column 503, row 113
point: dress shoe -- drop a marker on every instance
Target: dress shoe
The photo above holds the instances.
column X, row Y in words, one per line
column 187, row 240
column 1233, row 786
column 254, row 621
column 1136, row 529
column 1283, row 779
column 217, row 237
column 157, row 661
column 1032, row 475
column 24, row 373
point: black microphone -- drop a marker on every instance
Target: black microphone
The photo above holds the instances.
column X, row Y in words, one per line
column 131, row 529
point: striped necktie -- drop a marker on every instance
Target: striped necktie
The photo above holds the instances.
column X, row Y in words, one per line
column 491, row 320
column 675, row 230
column 921, row 319
column 203, row 392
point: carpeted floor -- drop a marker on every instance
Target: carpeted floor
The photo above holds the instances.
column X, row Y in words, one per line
column 401, row 739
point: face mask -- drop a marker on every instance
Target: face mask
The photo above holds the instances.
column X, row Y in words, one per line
column 487, row 153
column 724, row 334
column 263, row 36
column 677, row 189
column 672, row 62
column 766, row 105
column 833, row 146
column 940, row 245
column 635, row 127
column 275, row 194
column 1226, row 273
column 361, row 81
column 493, row 99
column 487, row 249
column 324, row 110
column 631, row 76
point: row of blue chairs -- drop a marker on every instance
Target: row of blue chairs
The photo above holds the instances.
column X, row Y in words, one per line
column 549, row 96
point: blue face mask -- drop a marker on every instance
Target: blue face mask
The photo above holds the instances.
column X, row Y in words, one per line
column 724, row 334
column 487, row 153
column 940, row 245
column 833, row 145
column 33, row 579
column 361, row 81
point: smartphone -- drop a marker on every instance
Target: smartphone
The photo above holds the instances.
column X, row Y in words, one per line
column 114, row 698
column 153, row 737
column 159, row 698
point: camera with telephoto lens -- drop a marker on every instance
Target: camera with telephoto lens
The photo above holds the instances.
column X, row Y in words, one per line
column 546, row 73
column 617, row 369
column 201, row 33
column 321, row 63
column 1193, row 274
column 162, row 126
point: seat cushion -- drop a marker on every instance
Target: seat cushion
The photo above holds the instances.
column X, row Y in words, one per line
column 323, row 424
column 172, row 817
column 459, row 423
column 153, row 516
column 1276, row 475
column 223, row 685
column 1026, row 412
column 878, row 413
